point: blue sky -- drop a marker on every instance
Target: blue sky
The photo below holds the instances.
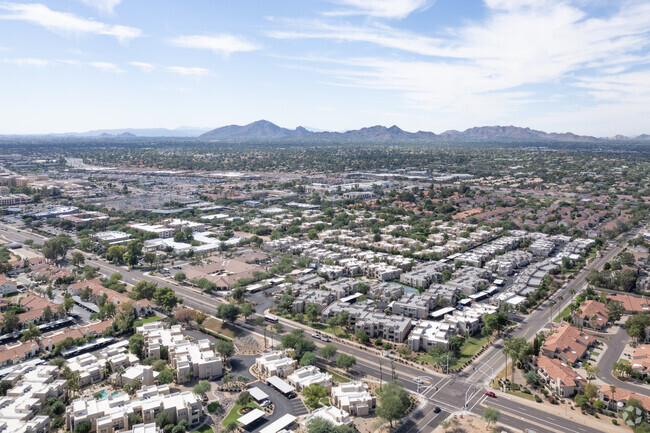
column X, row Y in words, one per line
column 556, row 65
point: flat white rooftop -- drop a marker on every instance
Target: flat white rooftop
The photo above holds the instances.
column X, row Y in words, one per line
column 250, row 417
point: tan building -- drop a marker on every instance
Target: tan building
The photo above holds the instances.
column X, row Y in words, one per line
column 591, row 314
column 190, row 359
column 354, row 398
column 275, row 363
column 111, row 414
column 559, row 377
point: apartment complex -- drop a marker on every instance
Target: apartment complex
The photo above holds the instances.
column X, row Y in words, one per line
column 190, row 359
column 111, row 414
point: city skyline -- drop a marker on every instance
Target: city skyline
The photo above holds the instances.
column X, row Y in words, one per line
column 332, row 65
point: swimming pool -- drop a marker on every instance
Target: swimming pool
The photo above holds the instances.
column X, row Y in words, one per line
column 104, row 394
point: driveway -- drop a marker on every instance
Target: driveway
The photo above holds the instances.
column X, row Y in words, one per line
column 614, row 348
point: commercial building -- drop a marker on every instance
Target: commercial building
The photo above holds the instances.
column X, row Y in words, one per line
column 112, row 237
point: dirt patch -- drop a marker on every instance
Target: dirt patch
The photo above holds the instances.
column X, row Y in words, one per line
column 469, row 423
column 219, row 327
column 248, row 345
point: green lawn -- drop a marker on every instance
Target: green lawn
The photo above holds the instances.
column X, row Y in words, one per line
column 564, row 313
column 337, row 377
column 234, row 413
column 471, row 346
column 522, row 395
column 204, row 429
column 141, row 322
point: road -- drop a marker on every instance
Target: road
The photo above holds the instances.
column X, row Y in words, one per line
column 450, row 394
column 615, row 345
column 492, row 361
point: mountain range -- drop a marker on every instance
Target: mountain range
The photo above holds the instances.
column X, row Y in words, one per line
column 265, row 131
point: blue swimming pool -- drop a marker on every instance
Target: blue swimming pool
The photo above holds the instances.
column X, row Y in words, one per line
column 104, row 394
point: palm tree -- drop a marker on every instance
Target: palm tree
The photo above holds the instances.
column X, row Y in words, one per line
column 73, row 383
column 381, row 374
column 572, row 292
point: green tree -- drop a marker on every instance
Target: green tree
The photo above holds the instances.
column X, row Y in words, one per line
column 532, row 378
column 31, row 333
column 308, row 358
column 180, row 277
column 163, row 418
column 328, row 351
column 56, row 248
column 394, row 402
column 615, row 311
column 345, row 361
column 133, row 251
column 143, row 290
column 226, row 349
column 5, row 386
column 227, row 312
column 47, row 314
column 202, row 387
column 115, row 254
column 238, row 294
column 313, row 394
column 82, row 427
column 78, row 259
column 10, row 322
column 124, row 319
column 136, row 345
column 311, row 310
column 322, row 425
column 490, row 415
column 166, row 376
column 244, row 398
column 247, row 310
column 165, row 298
column 362, row 337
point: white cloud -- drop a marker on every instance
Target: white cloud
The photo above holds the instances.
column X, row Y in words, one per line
column 188, row 71
column 143, row 66
column 220, row 44
column 106, row 6
column 107, row 67
column 64, row 23
column 29, row 62
column 380, row 8
column 486, row 70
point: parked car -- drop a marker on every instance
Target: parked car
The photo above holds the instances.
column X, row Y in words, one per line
column 265, row 403
column 324, row 338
